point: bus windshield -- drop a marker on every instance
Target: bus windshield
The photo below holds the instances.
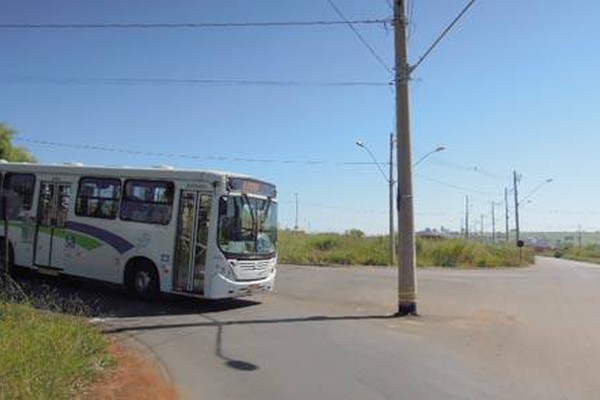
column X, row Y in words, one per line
column 247, row 226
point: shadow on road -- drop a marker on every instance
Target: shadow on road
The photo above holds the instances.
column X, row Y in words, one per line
column 216, row 323
column 96, row 299
column 211, row 322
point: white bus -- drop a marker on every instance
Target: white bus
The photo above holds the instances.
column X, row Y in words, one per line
column 199, row 233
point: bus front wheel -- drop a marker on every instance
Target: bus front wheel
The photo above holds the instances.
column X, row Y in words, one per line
column 142, row 280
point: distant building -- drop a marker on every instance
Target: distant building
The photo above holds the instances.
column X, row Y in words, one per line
column 429, row 233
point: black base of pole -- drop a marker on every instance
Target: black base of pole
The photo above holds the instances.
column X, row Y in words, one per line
column 407, row 308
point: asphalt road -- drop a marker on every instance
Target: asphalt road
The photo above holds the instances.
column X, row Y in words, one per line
column 328, row 333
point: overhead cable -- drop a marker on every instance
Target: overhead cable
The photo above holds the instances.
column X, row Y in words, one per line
column 10, row 78
column 191, row 25
column 360, row 36
column 461, row 188
column 162, row 154
column 21, row 138
column 182, row 155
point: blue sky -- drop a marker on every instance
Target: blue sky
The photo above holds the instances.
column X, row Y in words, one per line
column 516, row 86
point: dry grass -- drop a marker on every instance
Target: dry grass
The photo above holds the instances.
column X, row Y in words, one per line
column 354, row 248
column 134, row 376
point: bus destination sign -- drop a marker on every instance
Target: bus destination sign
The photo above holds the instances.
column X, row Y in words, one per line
column 251, row 186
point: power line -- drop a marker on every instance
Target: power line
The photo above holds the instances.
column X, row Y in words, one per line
column 226, row 158
column 9, row 78
column 112, row 149
column 461, row 188
column 360, row 37
column 193, row 25
column 442, row 35
column 162, row 154
column 469, row 168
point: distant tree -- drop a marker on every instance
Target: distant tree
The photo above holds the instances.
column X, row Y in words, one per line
column 8, row 151
column 357, row 233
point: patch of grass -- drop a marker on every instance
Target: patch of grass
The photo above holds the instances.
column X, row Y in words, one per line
column 588, row 253
column 330, row 248
column 43, row 354
column 463, row 253
column 353, row 248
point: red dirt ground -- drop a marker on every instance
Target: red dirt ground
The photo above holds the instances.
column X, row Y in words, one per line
column 134, row 377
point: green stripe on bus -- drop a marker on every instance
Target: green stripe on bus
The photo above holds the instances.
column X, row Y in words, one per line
column 84, row 242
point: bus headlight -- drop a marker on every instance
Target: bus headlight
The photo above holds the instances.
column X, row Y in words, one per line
column 226, row 271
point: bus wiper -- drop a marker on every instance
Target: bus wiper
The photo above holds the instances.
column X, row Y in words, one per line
column 253, row 216
column 266, row 208
column 252, row 212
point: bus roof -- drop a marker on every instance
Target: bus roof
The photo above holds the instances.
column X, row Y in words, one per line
column 162, row 172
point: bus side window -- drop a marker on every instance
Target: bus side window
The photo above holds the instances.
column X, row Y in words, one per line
column 98, row 198
column 18, row 192
column 147, row 201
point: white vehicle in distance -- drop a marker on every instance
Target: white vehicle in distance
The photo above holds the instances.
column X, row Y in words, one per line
column 199, row 233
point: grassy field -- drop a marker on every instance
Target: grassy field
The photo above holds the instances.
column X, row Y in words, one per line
column 353, row 248
column 588, row 253
column 43, row 354
column 565, row 238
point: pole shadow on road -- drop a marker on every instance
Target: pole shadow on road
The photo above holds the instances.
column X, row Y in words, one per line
column 93, row 299
column 220, row 325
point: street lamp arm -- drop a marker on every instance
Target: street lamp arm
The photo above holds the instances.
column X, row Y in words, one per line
column 364, row 146
column 538, row 187
column 436, row 150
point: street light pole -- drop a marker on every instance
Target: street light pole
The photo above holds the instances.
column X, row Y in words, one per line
column 392, row 241
column 515, row 181
column 390, row 181
column 518, row 202
column 506, row 213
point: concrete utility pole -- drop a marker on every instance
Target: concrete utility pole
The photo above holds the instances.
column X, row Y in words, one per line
column 466, row 217
column 296, row 223
column 506, row 213
column 493, row 223
column 407, row 282
column 515, row 183
column 482, row 231
column 392, row 244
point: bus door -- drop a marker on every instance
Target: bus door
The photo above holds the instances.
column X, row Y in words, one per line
column 191, row 243
column 53, row 206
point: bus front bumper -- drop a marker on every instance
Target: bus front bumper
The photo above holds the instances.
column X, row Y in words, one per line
column 223, row 287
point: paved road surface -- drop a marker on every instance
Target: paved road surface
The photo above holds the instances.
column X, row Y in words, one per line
column 327, row 333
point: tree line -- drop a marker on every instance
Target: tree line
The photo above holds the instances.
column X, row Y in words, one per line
column 10, row 152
